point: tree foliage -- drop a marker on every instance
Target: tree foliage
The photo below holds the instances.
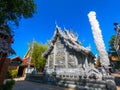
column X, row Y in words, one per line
column 37, row 59
column 112, row 50
column 11, row 11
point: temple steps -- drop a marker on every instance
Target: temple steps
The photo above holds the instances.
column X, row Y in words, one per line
column 84, row 84
column 77, row 84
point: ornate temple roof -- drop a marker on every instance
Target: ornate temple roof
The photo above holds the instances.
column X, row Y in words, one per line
column 16, row 61
column 70, row 40
column 26, row 58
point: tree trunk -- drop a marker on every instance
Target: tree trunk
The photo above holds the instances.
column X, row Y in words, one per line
column 4, row 63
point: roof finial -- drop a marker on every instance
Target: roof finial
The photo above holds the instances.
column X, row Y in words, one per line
column 56, row 24
column 57, row 27
column 89, row 47
column 64, row 27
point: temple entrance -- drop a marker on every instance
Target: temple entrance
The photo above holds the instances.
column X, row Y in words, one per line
column 20, row 71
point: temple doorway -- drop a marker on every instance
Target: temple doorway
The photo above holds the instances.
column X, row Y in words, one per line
column 20, row 71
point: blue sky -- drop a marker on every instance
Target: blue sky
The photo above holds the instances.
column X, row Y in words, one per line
column 71, row 14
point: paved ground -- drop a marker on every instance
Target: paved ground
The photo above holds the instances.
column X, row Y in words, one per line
column 26, row 85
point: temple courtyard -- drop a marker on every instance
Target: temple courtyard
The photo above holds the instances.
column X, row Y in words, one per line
column 26, row 85
column 22, row 84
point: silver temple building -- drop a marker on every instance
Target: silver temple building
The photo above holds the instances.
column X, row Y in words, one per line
column 66, row 56
column 73, row 64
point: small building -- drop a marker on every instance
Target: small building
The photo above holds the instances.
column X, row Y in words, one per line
column 21, row 64
column 66, row 55
column 16, row 63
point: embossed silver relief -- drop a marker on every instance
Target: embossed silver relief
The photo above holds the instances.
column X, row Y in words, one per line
column 60, row 54
column 51, row 61
column 71, row 60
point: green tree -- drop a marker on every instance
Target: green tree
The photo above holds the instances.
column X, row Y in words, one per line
column 112, row 50
column 11, row 11
column 37, row 59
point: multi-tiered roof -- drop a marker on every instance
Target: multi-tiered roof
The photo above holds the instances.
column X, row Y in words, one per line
column 70, row 39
